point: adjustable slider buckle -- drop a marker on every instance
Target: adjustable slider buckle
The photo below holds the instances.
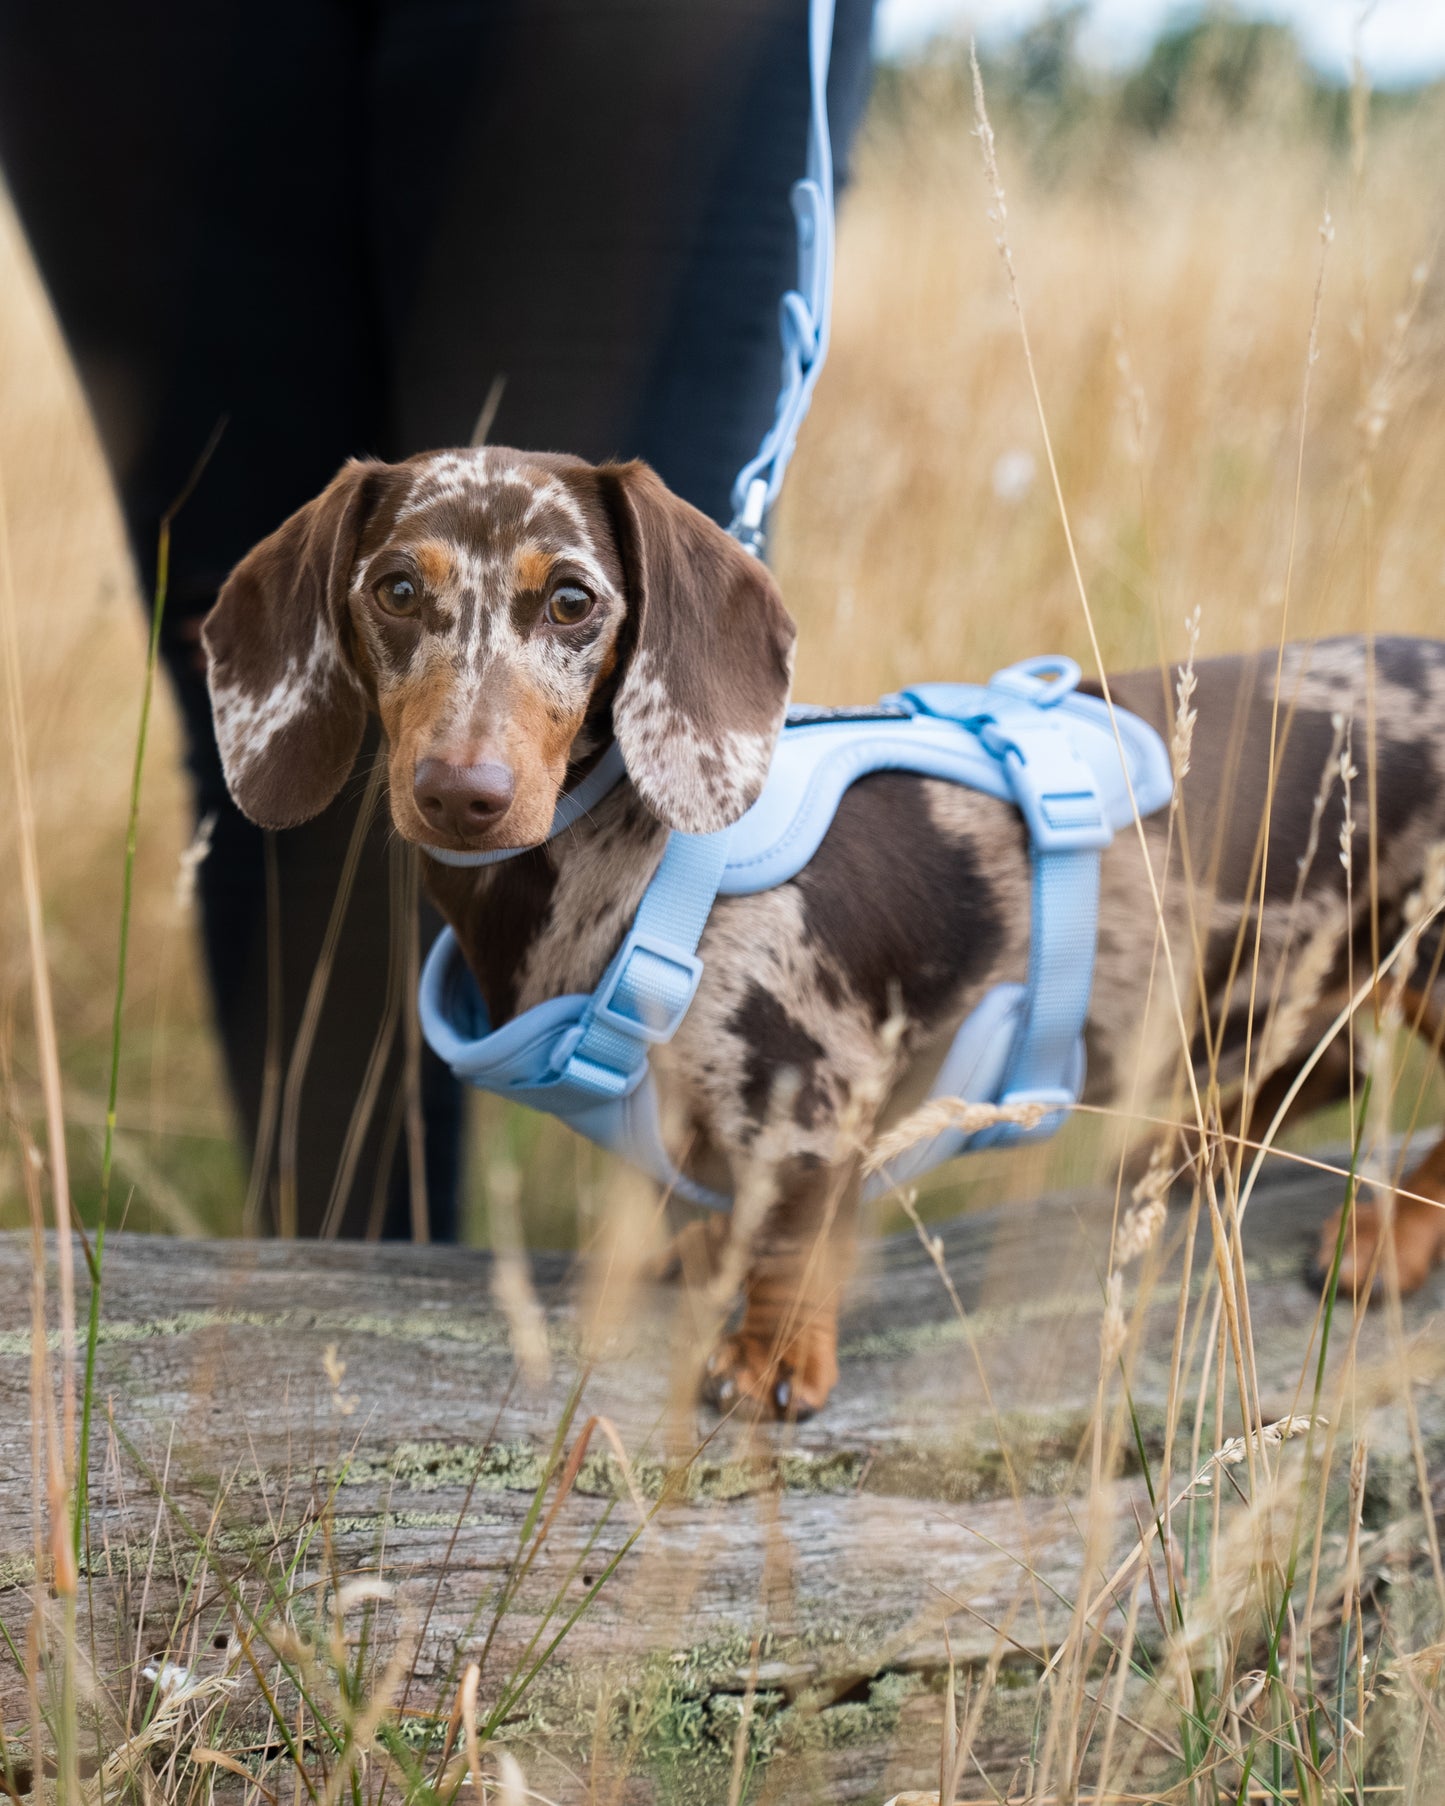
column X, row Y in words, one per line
column 1053, row 787
column 594, row 1079
column 649, row 989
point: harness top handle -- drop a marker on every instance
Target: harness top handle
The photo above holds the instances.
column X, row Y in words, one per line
column 806, row 311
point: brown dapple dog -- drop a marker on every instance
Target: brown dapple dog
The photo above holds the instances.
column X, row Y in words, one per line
column 507, row 614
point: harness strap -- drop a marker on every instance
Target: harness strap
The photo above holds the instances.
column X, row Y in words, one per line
column 806, row 310
column 1058, row 797
column 1065, row 919
column 647, row 989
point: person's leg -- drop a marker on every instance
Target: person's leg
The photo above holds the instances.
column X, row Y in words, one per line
column 611, row 234
column 190, row 181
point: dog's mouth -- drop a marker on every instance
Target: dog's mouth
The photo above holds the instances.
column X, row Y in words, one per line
column 502, row 839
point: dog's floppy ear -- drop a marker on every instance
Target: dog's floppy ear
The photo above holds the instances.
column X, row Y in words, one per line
column 289, row 712
column 702, row 699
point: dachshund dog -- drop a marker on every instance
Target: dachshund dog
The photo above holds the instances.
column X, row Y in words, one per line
column 508, row 614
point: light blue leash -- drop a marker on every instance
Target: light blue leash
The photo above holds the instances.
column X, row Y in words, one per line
column 807, row 310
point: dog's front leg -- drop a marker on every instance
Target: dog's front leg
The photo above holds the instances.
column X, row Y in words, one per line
column 783, row 1355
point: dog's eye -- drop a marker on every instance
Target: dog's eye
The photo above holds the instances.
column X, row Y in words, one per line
column 398, row 594
column 568, row 604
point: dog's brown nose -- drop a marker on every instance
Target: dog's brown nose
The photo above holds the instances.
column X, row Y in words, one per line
column 463, row 799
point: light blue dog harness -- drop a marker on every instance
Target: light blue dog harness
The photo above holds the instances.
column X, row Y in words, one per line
column 1026, row 737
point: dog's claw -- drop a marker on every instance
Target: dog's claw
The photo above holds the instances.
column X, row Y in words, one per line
column 744, row 1368
column 719, row 1387
column 790, row 1404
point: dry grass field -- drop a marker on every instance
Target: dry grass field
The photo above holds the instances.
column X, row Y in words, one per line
column 1238, row 330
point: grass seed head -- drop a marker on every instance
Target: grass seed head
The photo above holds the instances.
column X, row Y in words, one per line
column 1185, row 714
column 943, row 1113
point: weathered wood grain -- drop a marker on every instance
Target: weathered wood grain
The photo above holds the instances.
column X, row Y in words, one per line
column 947, row 1482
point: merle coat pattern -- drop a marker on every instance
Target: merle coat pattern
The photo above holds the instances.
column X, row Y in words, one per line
column 505, row 614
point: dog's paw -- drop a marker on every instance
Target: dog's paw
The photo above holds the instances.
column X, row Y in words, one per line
column 793, row 1385
column 1419, row 1235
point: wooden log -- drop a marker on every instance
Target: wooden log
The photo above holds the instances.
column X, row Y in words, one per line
column 276, row 1420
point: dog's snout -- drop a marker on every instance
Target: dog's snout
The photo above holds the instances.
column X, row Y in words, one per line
column 463, row 799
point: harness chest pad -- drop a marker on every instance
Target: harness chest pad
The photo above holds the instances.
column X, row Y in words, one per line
column 821, row 752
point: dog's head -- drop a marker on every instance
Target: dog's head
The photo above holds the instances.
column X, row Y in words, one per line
column 501, row 612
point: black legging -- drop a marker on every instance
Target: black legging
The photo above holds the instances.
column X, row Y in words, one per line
column 333, row 225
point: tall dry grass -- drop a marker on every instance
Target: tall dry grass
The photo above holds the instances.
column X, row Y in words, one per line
column 82, row 648
column 1169, row 289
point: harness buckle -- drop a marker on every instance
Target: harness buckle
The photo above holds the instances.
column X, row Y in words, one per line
column 649, row 989
column 1053, row 787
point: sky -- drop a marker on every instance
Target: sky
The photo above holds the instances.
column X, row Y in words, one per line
column 1401, row 41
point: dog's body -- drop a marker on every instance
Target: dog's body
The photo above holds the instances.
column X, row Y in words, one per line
column 505, row 614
